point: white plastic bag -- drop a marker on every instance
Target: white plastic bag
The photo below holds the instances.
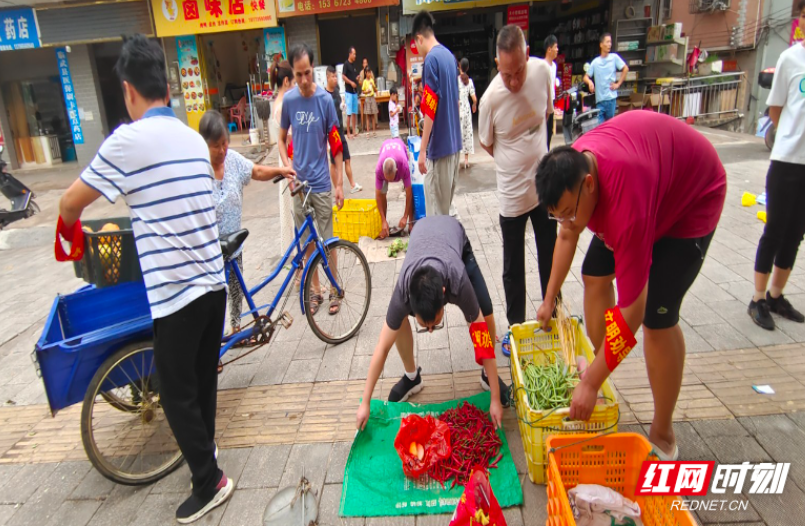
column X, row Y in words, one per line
column 595, row 505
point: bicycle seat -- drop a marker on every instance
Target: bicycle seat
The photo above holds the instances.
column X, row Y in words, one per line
column 230, row 243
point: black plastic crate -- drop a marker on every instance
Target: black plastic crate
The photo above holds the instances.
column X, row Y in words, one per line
column 110, row 258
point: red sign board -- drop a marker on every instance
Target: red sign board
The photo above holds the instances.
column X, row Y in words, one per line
column 288, row 8
column 518, row 15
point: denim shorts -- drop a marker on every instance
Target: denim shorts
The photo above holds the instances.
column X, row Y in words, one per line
column 606, row 110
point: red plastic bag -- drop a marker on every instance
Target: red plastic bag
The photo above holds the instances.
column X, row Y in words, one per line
column 421, row 443
column 478, row 506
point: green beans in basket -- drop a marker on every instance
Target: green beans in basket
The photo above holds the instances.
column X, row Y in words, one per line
column 548, row 386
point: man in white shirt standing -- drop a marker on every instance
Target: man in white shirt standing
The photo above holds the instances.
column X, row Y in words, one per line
column 161, row 169
column 512, row 127
column 785, row 189
column 551, row 52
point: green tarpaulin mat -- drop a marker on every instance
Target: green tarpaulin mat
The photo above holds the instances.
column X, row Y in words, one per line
column 374, row 483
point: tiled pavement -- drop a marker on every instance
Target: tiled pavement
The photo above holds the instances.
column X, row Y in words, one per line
column 293, row 401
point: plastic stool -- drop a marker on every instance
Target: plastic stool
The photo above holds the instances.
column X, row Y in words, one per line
column 233, row 127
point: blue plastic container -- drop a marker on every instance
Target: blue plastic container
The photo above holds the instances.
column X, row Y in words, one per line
column 417, row 179
column 82, row 330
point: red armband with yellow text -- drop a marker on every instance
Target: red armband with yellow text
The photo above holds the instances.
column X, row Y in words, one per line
column 73, row 235
column 430, row 101
column 482, row 342
column 619, row 340
column 334, row 138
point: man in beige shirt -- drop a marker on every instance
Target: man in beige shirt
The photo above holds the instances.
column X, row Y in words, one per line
column 512, row 127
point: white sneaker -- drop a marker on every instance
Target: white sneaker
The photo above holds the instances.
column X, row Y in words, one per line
column 663, row 456
column 355, row 189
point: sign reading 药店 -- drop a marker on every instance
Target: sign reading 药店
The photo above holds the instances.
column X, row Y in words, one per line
column 69, row 95
column 19, row 29
column 193, row 17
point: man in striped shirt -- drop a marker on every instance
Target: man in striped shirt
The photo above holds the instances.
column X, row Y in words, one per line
column 161, row 169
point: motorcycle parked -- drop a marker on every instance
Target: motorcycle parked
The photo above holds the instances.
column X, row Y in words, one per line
column 577, row 121
column 23, row 205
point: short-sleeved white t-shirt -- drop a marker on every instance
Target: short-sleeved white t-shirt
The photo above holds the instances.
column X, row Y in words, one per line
column 514, row 125
column 788, row 91
column 161, row 169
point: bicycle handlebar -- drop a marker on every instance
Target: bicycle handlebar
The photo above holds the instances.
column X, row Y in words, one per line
column 299, row 187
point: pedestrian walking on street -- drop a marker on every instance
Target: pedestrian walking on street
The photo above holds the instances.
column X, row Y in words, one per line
column 551, row 52
column 369, row 90
column 512, row 128
column 161, row 169
column 602, row 80
column 466, row 91
column 285, row 82
column 785, row 189
column 653, row 221
column 394, row 115
column 308, row 110
column 350, row 75
column 332, row 89
column 232, row 173
column 439, row 268
column 392, row 167
column 440, row 151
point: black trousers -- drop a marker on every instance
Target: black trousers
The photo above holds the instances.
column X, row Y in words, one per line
column 549, row 123
column 513, row 230
column 785, row 217
column 186, row 348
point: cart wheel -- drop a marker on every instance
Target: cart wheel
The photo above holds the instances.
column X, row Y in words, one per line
column 350, row 269
column 123, row 427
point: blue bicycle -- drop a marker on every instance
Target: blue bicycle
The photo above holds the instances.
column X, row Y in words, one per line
column 124, row 430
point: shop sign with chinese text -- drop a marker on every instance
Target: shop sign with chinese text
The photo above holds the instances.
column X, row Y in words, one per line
column 20, row 30
column 312, row 7
column 192, row 17
column 518, row 15
column 412, row 7
column 69, row 95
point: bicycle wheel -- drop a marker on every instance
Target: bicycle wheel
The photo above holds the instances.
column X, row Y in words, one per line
column 351, row 271
column 123, row 427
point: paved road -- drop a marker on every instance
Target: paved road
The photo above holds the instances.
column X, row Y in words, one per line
column 44, row 477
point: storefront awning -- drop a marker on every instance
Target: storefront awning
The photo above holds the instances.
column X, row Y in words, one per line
column 288, row 8
column 193, row 17
column 412, row 7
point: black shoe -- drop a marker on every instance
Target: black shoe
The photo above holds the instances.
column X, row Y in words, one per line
column 760, row 314
column 783, row 307
column 504, row 389
column 406, row 387
column 194, row 508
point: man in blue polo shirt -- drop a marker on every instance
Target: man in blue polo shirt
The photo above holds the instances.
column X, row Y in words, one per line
column 602, row 80
column 441, row 137
column 161, row 169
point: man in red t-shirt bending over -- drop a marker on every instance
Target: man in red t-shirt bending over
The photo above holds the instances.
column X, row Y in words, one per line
column 651, row 189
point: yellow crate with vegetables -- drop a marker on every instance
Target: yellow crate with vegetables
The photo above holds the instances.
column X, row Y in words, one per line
column 553, row 350
column 358, row 218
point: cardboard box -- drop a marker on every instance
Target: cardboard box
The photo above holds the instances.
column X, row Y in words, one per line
column 655, row 34
column 673, row 31
column 630, row 45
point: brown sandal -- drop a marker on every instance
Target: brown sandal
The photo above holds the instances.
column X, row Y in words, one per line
column 315, row 302
column 335, row 304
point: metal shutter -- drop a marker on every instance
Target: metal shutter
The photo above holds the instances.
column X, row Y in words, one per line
column 93, row 22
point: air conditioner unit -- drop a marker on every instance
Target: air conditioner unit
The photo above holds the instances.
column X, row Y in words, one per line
column 708, row 6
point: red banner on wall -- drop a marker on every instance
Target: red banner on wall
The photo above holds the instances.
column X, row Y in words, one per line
column 518, row 15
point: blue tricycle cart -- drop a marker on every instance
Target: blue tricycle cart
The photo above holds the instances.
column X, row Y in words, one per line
column 97, row 344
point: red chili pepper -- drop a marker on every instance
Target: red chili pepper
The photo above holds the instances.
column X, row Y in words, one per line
column 474, row 441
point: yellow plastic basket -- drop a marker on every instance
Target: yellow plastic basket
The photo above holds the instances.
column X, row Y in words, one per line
column 528, row 341
column 357, row 219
